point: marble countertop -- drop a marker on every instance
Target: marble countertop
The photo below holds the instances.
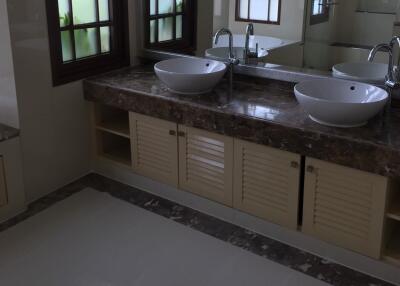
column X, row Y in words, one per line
column 259, row 110
column 7, row 132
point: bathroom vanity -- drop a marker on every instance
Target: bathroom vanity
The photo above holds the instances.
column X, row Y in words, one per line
column 256, row 150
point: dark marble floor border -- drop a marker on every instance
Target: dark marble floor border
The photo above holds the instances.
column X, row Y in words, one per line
column 273, row 250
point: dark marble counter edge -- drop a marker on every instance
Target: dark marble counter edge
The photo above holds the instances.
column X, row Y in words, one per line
column 363, row 155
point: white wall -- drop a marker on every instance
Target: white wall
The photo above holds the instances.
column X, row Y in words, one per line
column 205, row 12
column 363, row 28
column 54, row 121
column 221, row 14
column 290, row 28
column 8, row 97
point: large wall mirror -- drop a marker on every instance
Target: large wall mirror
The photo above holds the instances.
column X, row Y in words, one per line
column 313, row 34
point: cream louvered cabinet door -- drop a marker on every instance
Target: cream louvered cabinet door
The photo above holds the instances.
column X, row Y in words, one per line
column 3, row 185
column 154, row 148
column 267, row 183
column 206, row 164
column 344, row 206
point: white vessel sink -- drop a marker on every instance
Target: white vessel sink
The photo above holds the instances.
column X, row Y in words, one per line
column 361, row 71
column 340, row 103
column 222, row 53
column 190, row 75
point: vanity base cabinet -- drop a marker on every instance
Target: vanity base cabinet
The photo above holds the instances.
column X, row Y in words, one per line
column 206, row 164
column 344, row 206
column 267, row 183
column 154, row 148
column 3, row 185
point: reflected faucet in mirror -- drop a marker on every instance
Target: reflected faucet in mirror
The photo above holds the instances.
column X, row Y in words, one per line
column 393, row 75
column 247, row 54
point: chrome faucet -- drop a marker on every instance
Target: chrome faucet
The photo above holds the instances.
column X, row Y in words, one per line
column 247, row 54
column 232, row 59
column 223, row 31
column 393, row 76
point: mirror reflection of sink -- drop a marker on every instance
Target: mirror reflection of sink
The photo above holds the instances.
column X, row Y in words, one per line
column 190, row 75
column 340, row 103
column 222, row 53
column 361, row 71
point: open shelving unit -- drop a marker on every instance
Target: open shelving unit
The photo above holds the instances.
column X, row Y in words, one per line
column 392, row 231
column 112, row 134
column 394, row 207
column 392, row 252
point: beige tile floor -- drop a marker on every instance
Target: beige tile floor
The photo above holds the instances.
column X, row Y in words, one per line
column 94, row 239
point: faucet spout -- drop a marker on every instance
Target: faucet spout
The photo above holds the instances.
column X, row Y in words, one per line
column 225, row 31
column 393, row 75
column 376, row 49
column 232, row 60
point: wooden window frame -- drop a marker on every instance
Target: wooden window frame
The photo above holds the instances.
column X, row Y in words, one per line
column 65, row 72
column 186, row 44
column 248, row 19
column 321, row 17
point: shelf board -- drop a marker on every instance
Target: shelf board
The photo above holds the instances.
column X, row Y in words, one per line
column 392, row 253
column 122, row 157
column 117, row 126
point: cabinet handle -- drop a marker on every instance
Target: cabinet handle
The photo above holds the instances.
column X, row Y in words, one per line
column 181, row 134
column 310, row 169
column 294, row 164
column 172, row 132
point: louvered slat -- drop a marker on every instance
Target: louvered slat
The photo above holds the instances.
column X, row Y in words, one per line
column 205, row 164
column 266, row 184
column 344, row 206
column 154, row 148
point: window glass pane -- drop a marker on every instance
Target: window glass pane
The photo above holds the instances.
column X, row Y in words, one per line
column 274, row 11
column 316, row 7
column 259, row 10
column 64, row 13
column 179, row 6
column 105, row 39
column 165, row 6
column 84, row 11
column 66, row 44
column 104, row 14
column 85, row 42
column 179, row 27
column 244, row 9
column 153, row 7
column 165, row 29
column 153, row 31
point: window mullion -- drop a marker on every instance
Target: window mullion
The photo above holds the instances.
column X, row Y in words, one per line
column 174, row 21
column 248, row 9
column 72, row 31
column 157, row 24
column 98, row 42
column 269, row 11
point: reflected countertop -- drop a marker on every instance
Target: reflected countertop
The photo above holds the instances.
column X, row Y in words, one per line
column 259, row 110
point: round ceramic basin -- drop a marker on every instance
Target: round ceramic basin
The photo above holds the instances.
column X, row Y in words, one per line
column 222, row 53
column 190, row 75
column 340, row 103
column 361, row 71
